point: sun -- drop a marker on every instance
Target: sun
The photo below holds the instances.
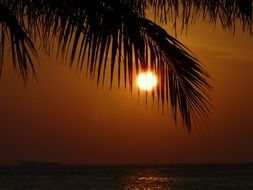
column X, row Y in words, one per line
column 147, row 81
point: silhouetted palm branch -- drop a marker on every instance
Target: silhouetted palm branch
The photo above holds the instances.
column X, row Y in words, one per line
column 229, row 13
column 94, row 29
column 21, row 45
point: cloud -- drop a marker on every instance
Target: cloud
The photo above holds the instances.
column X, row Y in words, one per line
column 217, row 53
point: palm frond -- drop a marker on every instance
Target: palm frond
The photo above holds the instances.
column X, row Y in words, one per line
column 230, row 13
column 138, row 44
column 22, row 47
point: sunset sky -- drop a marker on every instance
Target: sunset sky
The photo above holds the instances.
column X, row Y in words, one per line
column 66, row 118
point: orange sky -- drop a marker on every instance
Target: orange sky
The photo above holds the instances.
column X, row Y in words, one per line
column 67, row 118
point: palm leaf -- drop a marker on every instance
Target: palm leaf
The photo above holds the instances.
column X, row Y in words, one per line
column 21, row 45
column 229, row 13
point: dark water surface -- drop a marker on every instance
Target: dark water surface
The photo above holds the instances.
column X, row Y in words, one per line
column 167, row 177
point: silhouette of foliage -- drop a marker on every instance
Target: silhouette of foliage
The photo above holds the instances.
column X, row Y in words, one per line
column 117, row 33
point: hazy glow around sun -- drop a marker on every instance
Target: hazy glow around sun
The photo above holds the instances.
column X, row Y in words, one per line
column 147, row 81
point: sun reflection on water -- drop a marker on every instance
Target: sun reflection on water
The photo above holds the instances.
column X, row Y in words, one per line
column 140, row 181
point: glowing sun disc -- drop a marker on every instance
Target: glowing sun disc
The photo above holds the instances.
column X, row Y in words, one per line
column 146, row 81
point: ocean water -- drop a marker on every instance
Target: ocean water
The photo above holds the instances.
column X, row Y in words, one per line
column 165, row 177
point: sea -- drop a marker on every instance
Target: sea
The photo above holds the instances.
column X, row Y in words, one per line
column 127, row 177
